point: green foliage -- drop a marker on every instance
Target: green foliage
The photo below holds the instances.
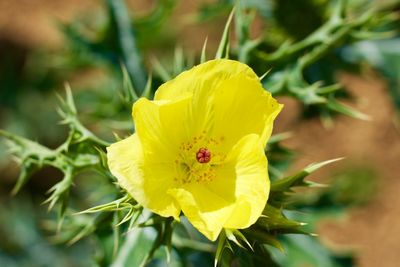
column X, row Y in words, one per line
column 80, row 151
column 340, row 29
column 24, row 242
column 304, row 250
column 121, row 28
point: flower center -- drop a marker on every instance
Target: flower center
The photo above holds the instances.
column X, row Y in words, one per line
column 195, row 163
column 203, row 155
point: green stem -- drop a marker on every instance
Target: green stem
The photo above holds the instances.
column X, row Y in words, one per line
column 127, row 42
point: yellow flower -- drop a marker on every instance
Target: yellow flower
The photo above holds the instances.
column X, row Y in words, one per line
column 199, row 148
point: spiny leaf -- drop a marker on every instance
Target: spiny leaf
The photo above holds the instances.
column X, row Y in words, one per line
column 297, row 179
column 222, row 244
column 262, row 237
column 160, row 70
column 78, row 132
column 308, row 94
column 265, row 74
column 179, row 61
column 164, row 235
column 203, row 56
column 34, row 156
column 60, row 190
column 276, row 138
column 231, row 236
column 130, row 92
column 83, row 225
column 329, row 89
column 132, row 213
column 341, row 108
column 315, row 166
column 147, row 89
column 103, row 157
column 122, row 203
column 24, row 148
column 224, row 43
column 70, row 104
column 235, row 235
column 243, row 23
column 85, row 231
column 127, row 42
column 134, row 219
column 27, row 169
column 273, row 219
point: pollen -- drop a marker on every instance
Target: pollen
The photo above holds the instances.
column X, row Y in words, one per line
column 203, row 155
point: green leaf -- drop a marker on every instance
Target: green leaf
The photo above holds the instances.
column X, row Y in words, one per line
column 60, row 191
column 28, row 168
column 274, row 221
column 262, row 237
column 147, row 89
column 223, row 47
column 242, row 237
column 24, row 148
column 264, row 75
column 276, row 138
column 221, row 246
column 127, row 42
column 346, row 110
column 297, row 179
column 160, row 70
column 129, row 90
column 203, row 56
column 179, row 61
column 230, row 235
column 303, row 250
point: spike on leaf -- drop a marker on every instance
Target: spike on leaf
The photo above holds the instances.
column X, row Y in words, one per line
column 203, row 56
column 223, row 47
column 297, row 179
column 129, row 89
column 147, row 89
column 69, row 99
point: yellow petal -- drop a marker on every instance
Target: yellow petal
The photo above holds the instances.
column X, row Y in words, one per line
column 205, row 209
column 202, row 79
column 201, row 82
column 228, row 100
column 242, row 107
column 146, row 181
column 252, row 184
column 162, row 126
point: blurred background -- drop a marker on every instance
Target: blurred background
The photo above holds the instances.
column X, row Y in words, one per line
column 45, row 43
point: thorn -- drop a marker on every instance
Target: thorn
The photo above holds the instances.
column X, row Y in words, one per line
column 203, row 57
column 224, row 39
column 265, row 74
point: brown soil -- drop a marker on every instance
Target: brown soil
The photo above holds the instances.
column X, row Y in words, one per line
column 372, row 230
column 34, row 23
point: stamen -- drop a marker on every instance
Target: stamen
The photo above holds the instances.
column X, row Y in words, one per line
column 203, row 155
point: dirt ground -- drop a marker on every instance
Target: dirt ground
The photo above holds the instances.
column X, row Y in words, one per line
column 372, row 230
column 34, row 23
